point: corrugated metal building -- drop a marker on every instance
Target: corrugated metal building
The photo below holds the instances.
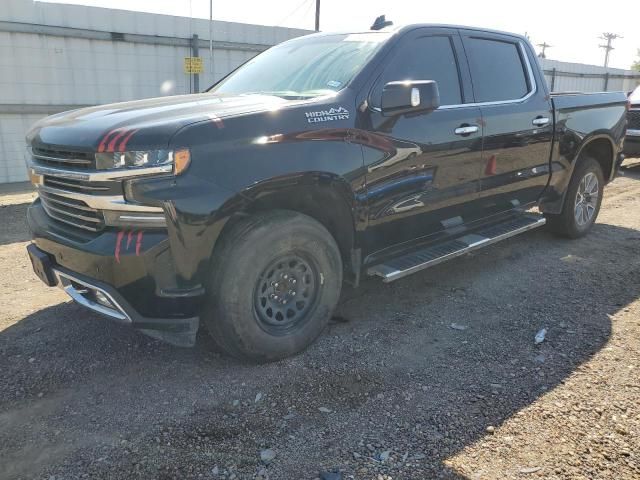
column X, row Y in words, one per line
column 56, row 57
column 578, row 77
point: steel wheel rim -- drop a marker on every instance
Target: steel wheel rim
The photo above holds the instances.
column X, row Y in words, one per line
column 285, row 293
column 586, row 199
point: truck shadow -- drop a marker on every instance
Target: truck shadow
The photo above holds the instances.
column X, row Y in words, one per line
column 421, row 366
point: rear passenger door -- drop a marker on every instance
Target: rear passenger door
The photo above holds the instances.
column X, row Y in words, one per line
column 518, row 120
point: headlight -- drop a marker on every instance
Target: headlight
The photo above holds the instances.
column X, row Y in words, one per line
column 165, row 160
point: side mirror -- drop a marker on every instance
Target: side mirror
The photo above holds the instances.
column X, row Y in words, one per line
column 411, row 96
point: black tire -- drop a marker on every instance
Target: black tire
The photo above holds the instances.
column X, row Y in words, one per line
column 566, row 224
column 244, row 312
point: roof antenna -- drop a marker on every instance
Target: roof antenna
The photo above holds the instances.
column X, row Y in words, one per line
column 380, row 23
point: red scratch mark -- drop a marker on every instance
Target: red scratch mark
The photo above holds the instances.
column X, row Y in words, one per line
column 138, row 244
column 103, row 143
column 118, row 241
column 129, row 239
column 114, row 140
column 124, row 142
column 490, row 169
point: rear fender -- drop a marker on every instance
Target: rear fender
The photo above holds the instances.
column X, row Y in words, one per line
column 567, row 153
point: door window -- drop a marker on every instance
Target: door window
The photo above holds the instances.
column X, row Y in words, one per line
column 497, row 70
column 424, row 58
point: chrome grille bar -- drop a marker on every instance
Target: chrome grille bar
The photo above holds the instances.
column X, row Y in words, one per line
column 101, row 202
column 70, row 219
column 65, row 201
column 69, row 213
column 62, row 183
column 73, row 161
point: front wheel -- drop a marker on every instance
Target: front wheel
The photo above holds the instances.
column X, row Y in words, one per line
column 275, row 281
column 582, row 203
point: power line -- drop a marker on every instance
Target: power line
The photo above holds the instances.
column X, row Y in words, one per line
column 609, row 37
column 544, row 46
column 294, row 11
column 307, row 10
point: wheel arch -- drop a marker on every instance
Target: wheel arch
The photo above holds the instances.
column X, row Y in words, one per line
column 325, row 197
column 602, row 148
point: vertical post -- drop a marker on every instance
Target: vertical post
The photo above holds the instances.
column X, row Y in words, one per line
column 606, row 81
column 211, row 38
column 317, row 15
column 194, row 53
column 553, row 79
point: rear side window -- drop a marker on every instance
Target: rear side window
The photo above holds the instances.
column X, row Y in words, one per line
column 425, row 58
column 497, row 70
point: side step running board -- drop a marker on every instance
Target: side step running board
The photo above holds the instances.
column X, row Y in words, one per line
column 399, row 267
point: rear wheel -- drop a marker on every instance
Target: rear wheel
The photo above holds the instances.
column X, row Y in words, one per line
column 582, row 203
column 276, row 279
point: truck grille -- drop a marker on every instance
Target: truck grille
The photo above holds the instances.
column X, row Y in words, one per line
column 77, row 186
column 64, row 158
column 71, row 211
column 634, row 119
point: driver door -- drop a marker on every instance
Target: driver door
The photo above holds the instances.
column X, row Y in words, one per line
column 423, row 170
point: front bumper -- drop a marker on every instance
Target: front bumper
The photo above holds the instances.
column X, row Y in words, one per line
column 126, row 276
column 106, row 300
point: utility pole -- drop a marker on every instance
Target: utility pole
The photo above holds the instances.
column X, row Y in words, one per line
column 195, row 53
column 211, row 38
column 609, row 37
column 544, row 46
column 317, row 15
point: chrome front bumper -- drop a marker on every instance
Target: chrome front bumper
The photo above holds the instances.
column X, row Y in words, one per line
column 91, row 297
column 105, row 300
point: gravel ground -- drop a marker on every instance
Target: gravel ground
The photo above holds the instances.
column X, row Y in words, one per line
column 434, row 376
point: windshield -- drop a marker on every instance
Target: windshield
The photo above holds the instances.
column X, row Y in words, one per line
column 304, row 67
column 635, row 96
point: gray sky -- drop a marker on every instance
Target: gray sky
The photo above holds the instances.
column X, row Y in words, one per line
column 571, row 26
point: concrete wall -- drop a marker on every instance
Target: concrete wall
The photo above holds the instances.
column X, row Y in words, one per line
column 56, row 57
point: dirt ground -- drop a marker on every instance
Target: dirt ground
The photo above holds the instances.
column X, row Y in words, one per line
column 390, row 391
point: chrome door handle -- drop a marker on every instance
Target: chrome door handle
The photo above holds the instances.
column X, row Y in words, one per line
column 466, row 130
column 540, row 121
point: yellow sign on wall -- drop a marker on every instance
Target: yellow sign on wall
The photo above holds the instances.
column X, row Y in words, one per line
column 193, row 65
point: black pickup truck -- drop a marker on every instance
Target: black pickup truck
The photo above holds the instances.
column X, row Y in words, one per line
column 322, row 159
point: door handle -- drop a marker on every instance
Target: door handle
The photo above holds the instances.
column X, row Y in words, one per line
column 540, row 121
column 466, row 130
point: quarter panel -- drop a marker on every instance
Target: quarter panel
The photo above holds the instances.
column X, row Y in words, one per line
column 580, row 119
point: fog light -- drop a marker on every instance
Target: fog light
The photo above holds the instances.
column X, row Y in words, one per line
column 102, row 299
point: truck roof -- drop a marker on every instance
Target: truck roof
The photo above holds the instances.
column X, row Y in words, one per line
column 412, row 26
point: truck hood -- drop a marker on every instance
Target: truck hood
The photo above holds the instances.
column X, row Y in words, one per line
column 141, row 124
